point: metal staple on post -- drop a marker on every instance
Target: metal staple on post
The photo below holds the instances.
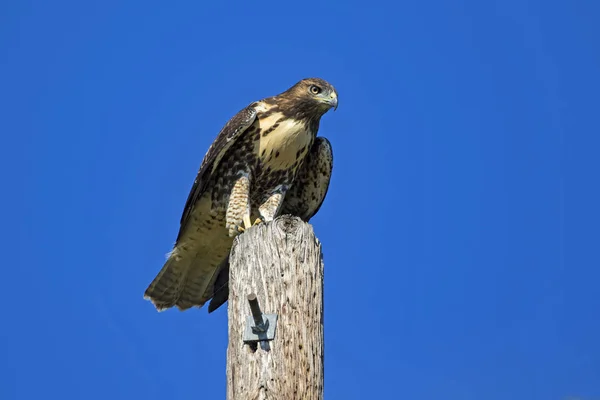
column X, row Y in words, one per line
column 259, row 324
column 259, row 327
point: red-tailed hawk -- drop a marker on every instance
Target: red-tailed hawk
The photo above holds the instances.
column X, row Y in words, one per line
column 266, row 161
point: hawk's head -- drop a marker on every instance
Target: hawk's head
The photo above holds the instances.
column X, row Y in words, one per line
column 311, row 97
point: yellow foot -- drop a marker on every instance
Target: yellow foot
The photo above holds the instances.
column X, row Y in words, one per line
column 247, row 225
column 236, row 229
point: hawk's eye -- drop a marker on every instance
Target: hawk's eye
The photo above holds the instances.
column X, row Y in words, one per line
column 315, row 89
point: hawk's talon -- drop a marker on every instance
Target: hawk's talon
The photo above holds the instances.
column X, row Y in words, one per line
column 258, row 221
column 235, row 229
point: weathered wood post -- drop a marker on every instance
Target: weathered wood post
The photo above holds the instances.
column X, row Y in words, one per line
column 281, row 263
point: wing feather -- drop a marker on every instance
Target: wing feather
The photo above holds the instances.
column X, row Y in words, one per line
column 228, row 135
column 305, row 197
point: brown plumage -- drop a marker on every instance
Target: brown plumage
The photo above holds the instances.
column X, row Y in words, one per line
column 265, row 161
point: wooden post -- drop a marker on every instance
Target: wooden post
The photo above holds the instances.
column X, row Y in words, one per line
column 282, row 264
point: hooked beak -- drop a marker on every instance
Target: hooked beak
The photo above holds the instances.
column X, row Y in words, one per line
column 333, row 100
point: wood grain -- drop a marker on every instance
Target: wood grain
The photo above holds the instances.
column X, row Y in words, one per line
column 282, row 263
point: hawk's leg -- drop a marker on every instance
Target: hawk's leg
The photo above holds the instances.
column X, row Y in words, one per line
column 238, row 208
column 269, row 208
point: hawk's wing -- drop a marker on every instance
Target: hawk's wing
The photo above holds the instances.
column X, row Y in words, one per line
column 228, row 135
column 311, row 183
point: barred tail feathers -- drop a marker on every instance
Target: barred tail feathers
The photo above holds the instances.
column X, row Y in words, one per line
column 183, row 281
column 166, row 287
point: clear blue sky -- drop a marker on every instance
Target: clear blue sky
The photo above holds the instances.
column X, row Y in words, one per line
column 460, row 231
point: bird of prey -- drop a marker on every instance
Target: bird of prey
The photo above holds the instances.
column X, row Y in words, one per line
column 266, row 161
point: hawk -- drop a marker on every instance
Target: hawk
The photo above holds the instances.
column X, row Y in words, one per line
column 266, row 161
